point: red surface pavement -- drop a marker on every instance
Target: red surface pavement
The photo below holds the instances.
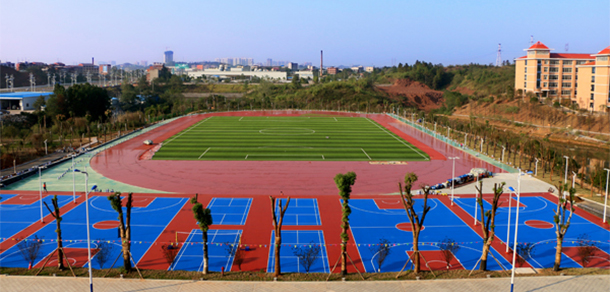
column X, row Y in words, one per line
column 122, row 163
column 600, row 259
column 77, row 257
column 436, row 261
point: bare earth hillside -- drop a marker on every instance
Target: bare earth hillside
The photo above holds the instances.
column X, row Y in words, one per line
column 413, row 93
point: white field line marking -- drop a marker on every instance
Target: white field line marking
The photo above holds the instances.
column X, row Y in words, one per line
column 323, row 157
column 246, row 156
column 192, row 127
column 240, row 118
column 366, row 154
column 397, row 139
column 335, row 119
column 206, row 151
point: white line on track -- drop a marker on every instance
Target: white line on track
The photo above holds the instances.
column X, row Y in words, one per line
column 206, row 151
column 397, row 139
column 367, row 155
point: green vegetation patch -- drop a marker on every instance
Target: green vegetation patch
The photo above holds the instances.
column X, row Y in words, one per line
column 288, row 139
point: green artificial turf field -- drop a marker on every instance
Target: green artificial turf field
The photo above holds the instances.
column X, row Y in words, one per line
column 288, row 138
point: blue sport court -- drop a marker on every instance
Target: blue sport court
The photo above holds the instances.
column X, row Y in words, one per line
column 221, row 248
column 300, row 212
column 302, row 238
column 230, row 211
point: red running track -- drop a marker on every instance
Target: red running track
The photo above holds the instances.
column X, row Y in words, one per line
column 122, row 163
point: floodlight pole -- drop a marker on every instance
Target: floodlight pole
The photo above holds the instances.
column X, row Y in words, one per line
column 512, row 276
column 509, row 212
column 40, row 188
column 88, row 231
column 453, row 178
column 565, row 180
column 606, row 198
column 73, row 182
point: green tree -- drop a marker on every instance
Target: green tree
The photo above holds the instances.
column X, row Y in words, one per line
column 124, row 225
column 204, row 220
column 56, row 214
column 344, row 183
column 39, row 103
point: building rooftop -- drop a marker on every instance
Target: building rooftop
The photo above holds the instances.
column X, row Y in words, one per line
column 21, row 95
column 604, row 51
column 538, row 46
column 571, row 56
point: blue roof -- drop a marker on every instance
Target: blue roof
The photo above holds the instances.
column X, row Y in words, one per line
column 21, row 95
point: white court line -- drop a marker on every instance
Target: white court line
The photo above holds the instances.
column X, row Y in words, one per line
column 246, row 156
column 397, row 139
column 192, row 127
column 323, row 157
column 240, row 118
column 206, row 151
column 335, row 119
column 366, row 154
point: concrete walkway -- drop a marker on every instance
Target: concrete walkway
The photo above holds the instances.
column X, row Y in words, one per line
column 556, row 283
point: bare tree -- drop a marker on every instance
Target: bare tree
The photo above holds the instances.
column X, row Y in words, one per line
column 307, row 255
column 30, row 249
column 204, row 220
column 56, row 214
column 104, row 250
column 344, row 183
column 381, row 251
column 488, row 219
column 448, row 247
column 277, row 227
column 124, row 225
column 565, row 202
column 416, row 222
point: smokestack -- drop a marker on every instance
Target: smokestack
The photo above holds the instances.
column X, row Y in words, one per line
column 321, row 62
column 92, row 61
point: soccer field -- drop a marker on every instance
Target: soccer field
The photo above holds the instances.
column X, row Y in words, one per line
column 288, row 138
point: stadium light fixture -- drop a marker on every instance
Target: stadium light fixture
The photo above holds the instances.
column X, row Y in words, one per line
column 87, row 191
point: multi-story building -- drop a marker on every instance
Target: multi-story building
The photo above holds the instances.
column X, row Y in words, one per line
column 293, row 66
column 593, row 83
column 332, row 71
column 168, row 58
column 104, row 69
column 547, row 74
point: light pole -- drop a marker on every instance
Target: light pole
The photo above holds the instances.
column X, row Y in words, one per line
column 453, row 178
column 73, row 182
column 40, row 188
column 512, row 277
column 565, row 180
column 536, row 174
column 573, row 178
column 606, row 199
column 512, row 190
column 87, row 191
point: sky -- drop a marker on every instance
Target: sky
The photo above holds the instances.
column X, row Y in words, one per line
column 353, row 32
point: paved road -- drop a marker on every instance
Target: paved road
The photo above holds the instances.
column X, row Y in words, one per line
column 556, row 283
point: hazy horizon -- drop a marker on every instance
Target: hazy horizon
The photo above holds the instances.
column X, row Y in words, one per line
column 349, row 32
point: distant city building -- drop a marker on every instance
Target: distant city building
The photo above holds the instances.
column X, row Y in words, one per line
column 144, row 63
column 292, row 66
column 104, row 69
column 168, row 58
column 153, row 72
column 332, row 71
column 369, row 69
column 8, row 64
column 17, row 102
column 269, row 63
column 357, row 69
column 547, row 74
column 594, row 83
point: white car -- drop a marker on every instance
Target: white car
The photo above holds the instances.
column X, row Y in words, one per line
column 148, row 142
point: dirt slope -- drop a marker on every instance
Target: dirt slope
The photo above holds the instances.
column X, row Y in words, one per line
column 413, row 93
